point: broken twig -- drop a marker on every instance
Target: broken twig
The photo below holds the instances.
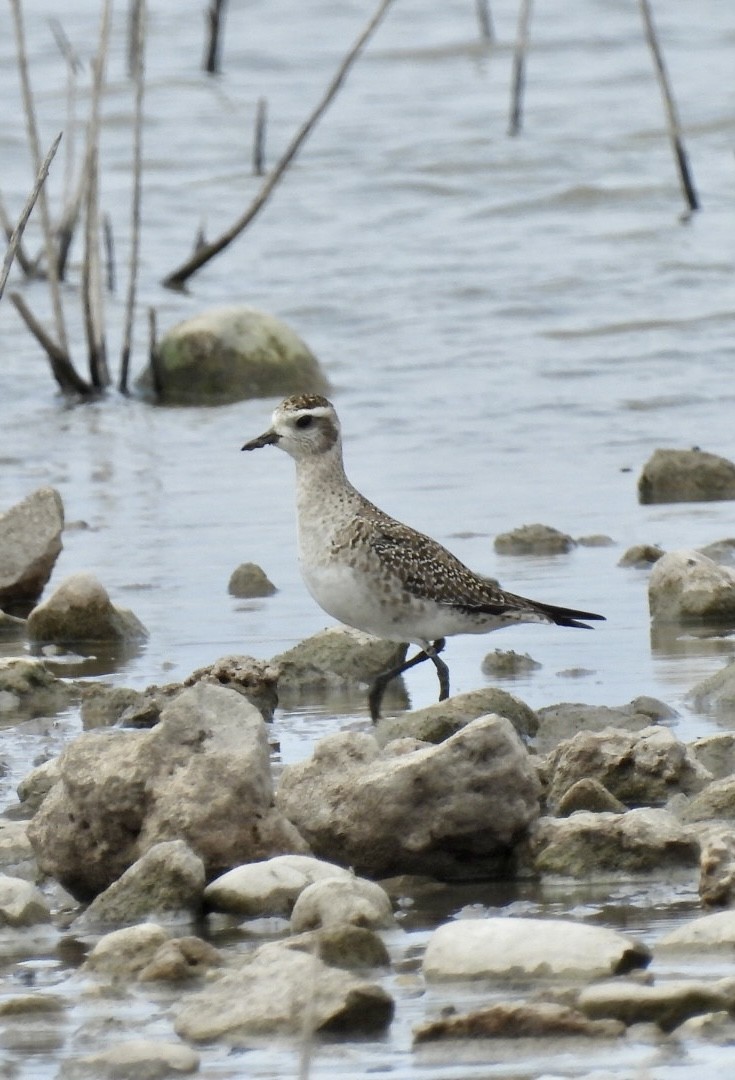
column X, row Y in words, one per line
column 17, row 233
column 139, row 77
column 518, row 81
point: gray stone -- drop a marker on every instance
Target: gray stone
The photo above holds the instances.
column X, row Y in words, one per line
column 181, row 959
column 339, row 901
column 534, row 540
column 232, row 354
column 35, row 786
column 671, row 476
column 517, row 1020
column 249, row 581
column 642, row 768
column 642, row 556
column 283, row 991
column 343, row 945
column 437, row 722
column 28, row 688
column 256, row 680
column 30, row 542
column 686, row 586
column 717, row 865
column 133, row 1059
column 563, row 721
column 103, row 706
column 716, row 801
column 528, row 948
column 717, row 752
column 12, row 628
column 716, row 693
column 270, row 887
column 81, row 610
column 336, row 656
column 588, row 794
column 16, row 853
column 21, row 903
column 667, row 1004
column 167, row 879
column 201, row 775
column 707, row 933
column 645, row 841
column 507, row 664
column 452, row 810
column 125, row 953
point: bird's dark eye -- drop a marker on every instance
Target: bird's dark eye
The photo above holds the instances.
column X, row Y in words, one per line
column 304, row 421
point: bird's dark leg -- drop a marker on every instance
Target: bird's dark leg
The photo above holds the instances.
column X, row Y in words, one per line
column 377, row 689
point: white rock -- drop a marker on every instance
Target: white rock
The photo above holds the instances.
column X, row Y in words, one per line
column 269, row 886
column 336, row 901
column 687, row 585
column 137, row 1058
column 482, row 948
column 710, row 932
column 21, row 903
column 126, row 952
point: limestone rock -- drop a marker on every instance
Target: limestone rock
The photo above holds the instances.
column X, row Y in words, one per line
column 452, row 810
column 708, row 933
column 16, row 853
column 717, row 866
column 534, row 540
column 667, row 1004
column 124, row 953
column 180, row 959
column 642, row 556
column 444, row 718
column 81, row 610
column 716, row 801
column 134, row 1059
column 687, row 586
column 671, row 476
column 35, row 786
column 517, row 1020
column 588, row 794
column 21, row 903
column 30, row 542
column 338, row 901
column 528, row 948
column 507, row 664
column 336, row 656
column 645, row 841
column 27, row 687
column 343, row 945
column 642, row 768
column 202, row 775
column 270, row 887
column 232, row 354
column 103, row 706
column 168, row 878
column 249, row 581
column 256, row 680
column 716, row 693
column 279, row 991
column 563, row 721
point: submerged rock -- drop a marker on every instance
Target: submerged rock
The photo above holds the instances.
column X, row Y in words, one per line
column 667, row 1004
column 125, row 953
column 180, row 959
column 336, row 656
column 563, row 721
column 28, row 688
column 283, row 991
column 30, row 542
column 716, row 694
column 142, row 1059
column 249, row 581
column 202, row 775
column 452, row 810
column 534, row 540
column 444, row 718
column 517, row 1020
column 81, row 610
column 507, row 664
column 671, row 476
column 342, row 901
column 21, row 903
column 644, row 841
column 686, row 585
column 526, row 948
column 231, row 354
column 642, row 556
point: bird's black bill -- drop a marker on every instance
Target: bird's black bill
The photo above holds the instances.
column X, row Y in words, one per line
column 268, row 438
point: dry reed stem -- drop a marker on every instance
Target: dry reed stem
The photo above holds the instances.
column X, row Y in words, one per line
column 518, row 81
column 213, row 52
column 261, row 117
column 67, row 378
column 672, row 116
column 485, row 20
column 181, row 274
column 15, row 237
column 35, row 148
column 135, row 206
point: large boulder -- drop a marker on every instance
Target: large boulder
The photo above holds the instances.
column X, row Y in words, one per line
column 80, row 609
column 201, row 775
column 526, row 948
column 687, row 586
column 282, row 991
column 454, row 810
column 231, row 354
column 686, row 476
column 639, row 768
column 30, row 542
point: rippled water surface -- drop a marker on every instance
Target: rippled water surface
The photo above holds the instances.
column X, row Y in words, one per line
column 510, row 327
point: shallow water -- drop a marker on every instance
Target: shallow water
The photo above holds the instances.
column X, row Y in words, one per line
column 510, row 326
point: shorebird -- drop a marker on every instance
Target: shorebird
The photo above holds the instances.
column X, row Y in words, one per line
column 370, row 571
